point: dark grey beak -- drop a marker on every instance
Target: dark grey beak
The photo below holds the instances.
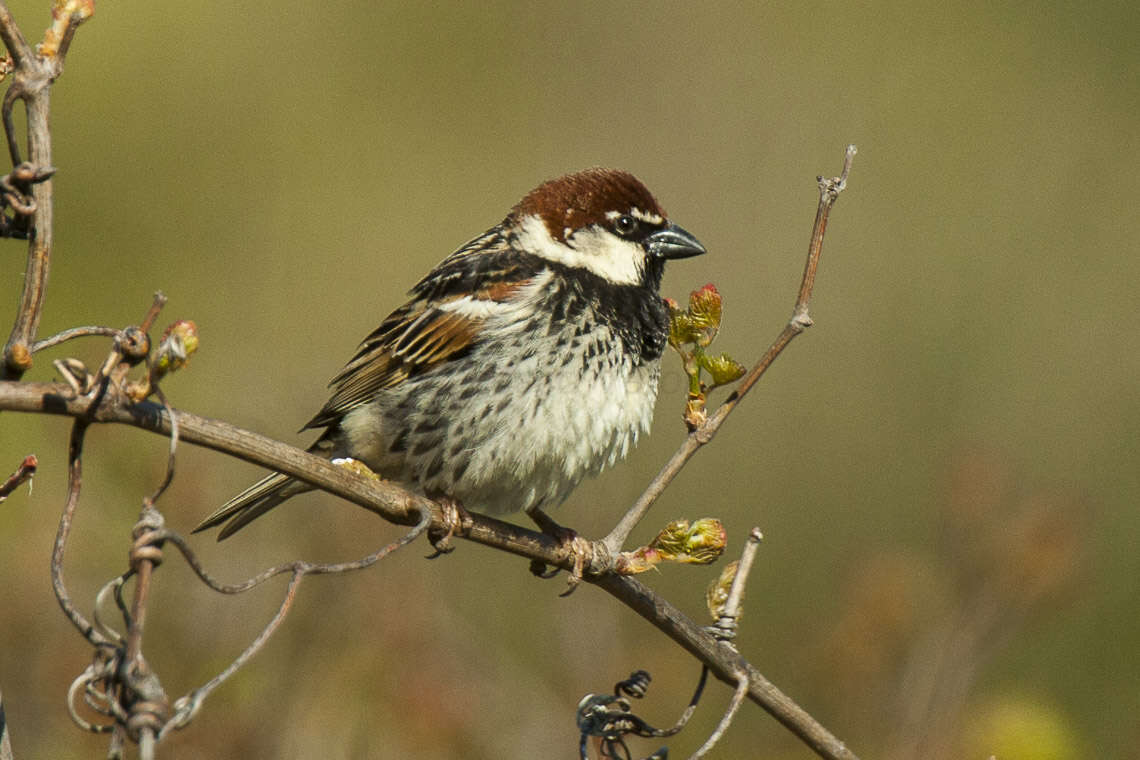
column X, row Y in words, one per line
column 673, row 242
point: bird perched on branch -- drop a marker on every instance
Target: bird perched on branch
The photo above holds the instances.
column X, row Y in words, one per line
column 525, row 361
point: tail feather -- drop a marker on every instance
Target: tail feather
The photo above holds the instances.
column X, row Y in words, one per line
column 252, row 503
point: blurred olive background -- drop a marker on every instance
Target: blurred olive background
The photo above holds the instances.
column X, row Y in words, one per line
column 944, row 468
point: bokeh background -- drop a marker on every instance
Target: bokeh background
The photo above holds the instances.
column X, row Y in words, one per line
column 945, row 467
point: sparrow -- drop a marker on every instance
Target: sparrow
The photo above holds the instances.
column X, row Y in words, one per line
column 525, row 361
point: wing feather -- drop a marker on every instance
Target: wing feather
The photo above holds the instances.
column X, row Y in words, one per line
column 416, row 338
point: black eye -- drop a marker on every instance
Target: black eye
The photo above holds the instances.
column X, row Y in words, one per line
column 625, row 225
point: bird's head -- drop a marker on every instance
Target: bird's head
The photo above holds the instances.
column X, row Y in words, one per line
column 603, row 221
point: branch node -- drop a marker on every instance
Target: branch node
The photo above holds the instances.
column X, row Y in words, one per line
column 19, row 358
column 134, row 345
column 23, row 474
column 703, row 434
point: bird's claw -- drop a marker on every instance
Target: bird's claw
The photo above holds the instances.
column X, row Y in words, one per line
column 579, row 548
column 453, row 514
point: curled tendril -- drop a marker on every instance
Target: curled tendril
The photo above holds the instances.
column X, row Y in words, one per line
column 609, row 717
column 16, row 202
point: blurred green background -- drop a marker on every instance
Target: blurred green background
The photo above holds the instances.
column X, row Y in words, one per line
column 944, row 467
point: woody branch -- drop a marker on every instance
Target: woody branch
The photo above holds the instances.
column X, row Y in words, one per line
column 33, row 70
column 108, row 404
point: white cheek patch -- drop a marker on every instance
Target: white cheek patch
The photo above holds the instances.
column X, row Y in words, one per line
column 619, row 261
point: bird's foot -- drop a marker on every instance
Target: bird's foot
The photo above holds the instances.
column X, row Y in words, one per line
column 579, row 548
column 453, row 516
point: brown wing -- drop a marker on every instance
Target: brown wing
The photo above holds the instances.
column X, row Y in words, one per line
column 413, row 339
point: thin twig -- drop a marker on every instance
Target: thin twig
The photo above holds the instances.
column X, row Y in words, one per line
column 145, row 555
column 115, row 588
column 152, row 313
column 146, row 744
column 170, row 455
column 725, row 630
column 725, row 626
column 13, row 38
column 829, row 190
column 74, row 483
column 186, row 707
column 148, row 712
column 22, row 475
column 691, row 708
column 72, row 333
column 66, row 16
column 726, row 720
